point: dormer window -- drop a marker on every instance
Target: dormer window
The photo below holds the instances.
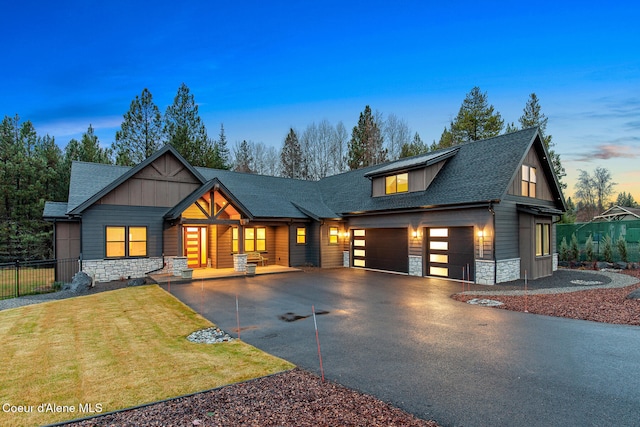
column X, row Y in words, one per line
column 397, row 183
column 528, row 181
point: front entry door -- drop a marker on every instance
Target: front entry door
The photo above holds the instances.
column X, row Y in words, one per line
column 195, row 246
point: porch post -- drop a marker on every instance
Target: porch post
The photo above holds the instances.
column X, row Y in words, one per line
column 241, row 237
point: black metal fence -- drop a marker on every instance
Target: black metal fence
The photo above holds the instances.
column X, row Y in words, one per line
column 35, row 277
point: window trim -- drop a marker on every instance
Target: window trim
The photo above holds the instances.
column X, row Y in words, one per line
column 543, row 239
column 126, row 243
column 301, row 238
column 334, row 233
column 395, row 190
column 528, row 185
column 259, row 243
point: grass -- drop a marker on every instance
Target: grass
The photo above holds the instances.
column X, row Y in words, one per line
column 32, row 280
column 113, row 349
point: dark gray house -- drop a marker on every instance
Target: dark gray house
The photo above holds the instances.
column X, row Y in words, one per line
column 482, row 211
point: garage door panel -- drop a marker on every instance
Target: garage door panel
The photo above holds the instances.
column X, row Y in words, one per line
column 449, row 251
column 382, row 249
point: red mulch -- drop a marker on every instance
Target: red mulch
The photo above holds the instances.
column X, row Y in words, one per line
column 598, row 305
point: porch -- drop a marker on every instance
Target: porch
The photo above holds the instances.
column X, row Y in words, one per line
column 220, row 273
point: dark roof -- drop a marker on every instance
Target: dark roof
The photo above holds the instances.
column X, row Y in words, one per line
column 273, row 197
column 473, row 173
column 54, row 210
column 479, row 172
column 414, row 162
column 119, row 177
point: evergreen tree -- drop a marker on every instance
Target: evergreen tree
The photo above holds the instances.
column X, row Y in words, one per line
column 414, row 148
column 532, row 116
column 291, row 161
column 366, row 145
column 243, row 158
column 184, row 128
column 476, row 119
column 141, row 132
column 221, row 151
column 90, row 150
column 625, row 199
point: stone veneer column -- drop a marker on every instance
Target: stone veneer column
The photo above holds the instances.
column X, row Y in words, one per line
column 415, row 265
column 345, row 258
column 555, row 262
column 179, row 264
column 485, row 272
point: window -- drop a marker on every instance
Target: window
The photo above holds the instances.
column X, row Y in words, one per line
column 528, row 181
column 333, row 235
column 137, row 241
column 234, row 240
column 119, row 243
column 397, row 183
column 255, row 239
column 543, row 239
column 301, row 236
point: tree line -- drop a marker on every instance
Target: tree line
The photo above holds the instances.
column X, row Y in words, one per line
column 35, row 169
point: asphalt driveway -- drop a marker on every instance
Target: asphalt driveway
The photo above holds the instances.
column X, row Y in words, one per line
column 403, row 340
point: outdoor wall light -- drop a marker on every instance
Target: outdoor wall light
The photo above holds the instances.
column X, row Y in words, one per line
column 415, row 234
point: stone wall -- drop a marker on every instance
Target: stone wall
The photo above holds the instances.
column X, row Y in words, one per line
column 485, row 272
column 415, row 265
column 555, row 262
column 345, row 258
column 507, row 270
column 105, row 270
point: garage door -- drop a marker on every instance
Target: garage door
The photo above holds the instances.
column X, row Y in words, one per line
column 381, row 249
column 450, row 250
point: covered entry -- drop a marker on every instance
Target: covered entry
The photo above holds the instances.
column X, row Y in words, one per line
column 381, row 249
column 449, row 251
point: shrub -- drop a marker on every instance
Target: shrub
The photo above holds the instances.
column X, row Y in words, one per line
column 575, row 250
column 608, row 249
column 564, row 250
column 621, row 244
column 588, row 248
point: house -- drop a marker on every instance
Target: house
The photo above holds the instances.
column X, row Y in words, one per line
column 618, row 213
column 482, row 211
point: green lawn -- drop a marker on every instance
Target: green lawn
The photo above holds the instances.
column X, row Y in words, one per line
column 32, row 280
column 112, row 350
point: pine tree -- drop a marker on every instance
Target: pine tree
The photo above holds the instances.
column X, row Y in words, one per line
column 414, row 148
column 243, row 158
column 291, row 161
column 366, row 145
column 141, row 132
column 184, row 128
column 476, row 119
column 221, row 151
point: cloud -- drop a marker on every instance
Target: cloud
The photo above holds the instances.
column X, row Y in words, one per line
column 608, row 151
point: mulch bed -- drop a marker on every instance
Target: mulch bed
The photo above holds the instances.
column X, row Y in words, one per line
column 598, row 305
column 293, row 398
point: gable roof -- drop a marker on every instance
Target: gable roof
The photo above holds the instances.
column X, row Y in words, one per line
column 476, row 172
column 618, row 213
column 473, row 173
column 108, row 177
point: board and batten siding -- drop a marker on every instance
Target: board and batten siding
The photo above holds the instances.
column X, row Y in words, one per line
column 164, row 183
column 97, row 217
column 307, row 254
column 419, row 179
column 543, row 189
column 67, row 244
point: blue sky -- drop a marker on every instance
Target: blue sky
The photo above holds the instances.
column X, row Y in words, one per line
column 262, row 67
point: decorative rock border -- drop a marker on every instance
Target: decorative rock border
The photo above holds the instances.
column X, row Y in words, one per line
column 210, row 336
